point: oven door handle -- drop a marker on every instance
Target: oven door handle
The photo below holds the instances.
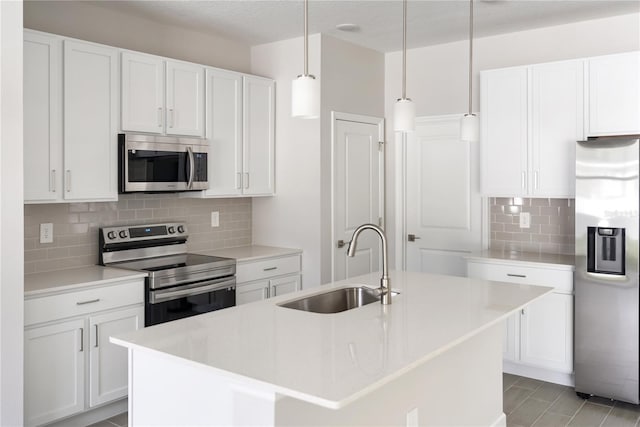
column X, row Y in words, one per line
column 169, row 294
column 191, row 167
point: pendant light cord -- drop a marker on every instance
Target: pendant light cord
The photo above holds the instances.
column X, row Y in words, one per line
column 470, row 55
column 306, row 37
column 404, row 50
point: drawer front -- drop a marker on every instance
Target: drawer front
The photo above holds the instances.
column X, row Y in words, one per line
column 263, row 269
column 78, row 303
column 560, row 280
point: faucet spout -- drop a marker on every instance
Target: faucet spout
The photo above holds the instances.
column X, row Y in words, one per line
column 385, row 289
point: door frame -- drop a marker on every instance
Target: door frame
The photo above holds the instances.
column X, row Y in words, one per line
column 401, row 193
column 358, row 118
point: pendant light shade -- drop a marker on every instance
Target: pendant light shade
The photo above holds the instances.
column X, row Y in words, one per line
column 305, row 90
column 404, row 115
column 404, row 112
column 305, row 97
column 469, row 125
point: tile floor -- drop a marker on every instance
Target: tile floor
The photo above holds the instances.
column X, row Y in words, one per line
column 529, row 402
column 533, row 403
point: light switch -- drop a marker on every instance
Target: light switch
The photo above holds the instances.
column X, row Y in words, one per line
column 215, row 219
column 46, row 233
column 525, row 220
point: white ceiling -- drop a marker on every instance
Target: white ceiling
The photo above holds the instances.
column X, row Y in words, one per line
column 429, row 21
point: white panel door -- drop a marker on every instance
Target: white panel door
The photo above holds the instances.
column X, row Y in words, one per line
column 284, row 285
column 614, row 94
column 503, row 103
column 142, row 93
column 185, row 99
column 224, row 132
column 42, row 117
column 90, row 121
column 557, row 123
column 258, row 136
column 252, row 291
column 358, row 172
column 108, row 362
column 444, row 206
column 54, row 365
column 547, row 333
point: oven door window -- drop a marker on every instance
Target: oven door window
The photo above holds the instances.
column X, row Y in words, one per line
column 192, row 305
column 158, row 166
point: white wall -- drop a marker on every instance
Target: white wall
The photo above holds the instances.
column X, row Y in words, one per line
column 437, row 75
column 91, row 22
column 292, row 217
column 11, row 215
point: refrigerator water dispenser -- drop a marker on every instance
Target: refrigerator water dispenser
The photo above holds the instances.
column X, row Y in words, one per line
column 605, row 250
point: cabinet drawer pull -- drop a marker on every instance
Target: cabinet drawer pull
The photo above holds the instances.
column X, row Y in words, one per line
column 88, row 302
column 516, row 275
column 270, row 268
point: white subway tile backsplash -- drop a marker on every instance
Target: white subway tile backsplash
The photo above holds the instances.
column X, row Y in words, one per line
column 75, row 230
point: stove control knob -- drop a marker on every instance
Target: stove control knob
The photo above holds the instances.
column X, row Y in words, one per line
column 122, row 234
column 111, row 235
column 172, row 230
column 180, row 229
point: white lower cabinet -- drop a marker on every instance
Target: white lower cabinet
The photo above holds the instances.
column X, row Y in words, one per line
column 70, row 365
column 266, row 278
column 538, row 340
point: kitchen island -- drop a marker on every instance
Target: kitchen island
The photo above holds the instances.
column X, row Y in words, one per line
column 433, row 357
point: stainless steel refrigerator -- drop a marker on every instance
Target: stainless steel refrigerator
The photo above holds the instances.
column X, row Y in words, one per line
column 606, row 278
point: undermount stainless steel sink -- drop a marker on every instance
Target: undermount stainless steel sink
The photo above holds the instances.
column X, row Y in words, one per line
column 336, row 301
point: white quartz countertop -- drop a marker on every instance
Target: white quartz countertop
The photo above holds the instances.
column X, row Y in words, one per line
column 252, row 252
column 333, row 359
column 558, row 261
column 36, row 284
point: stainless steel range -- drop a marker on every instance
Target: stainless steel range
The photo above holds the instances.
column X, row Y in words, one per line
column 179, row 284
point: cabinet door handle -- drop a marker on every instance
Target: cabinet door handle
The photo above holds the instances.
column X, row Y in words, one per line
column 274, row 291
column 171, row 117
column 81, row 340
column 53, row 180
column 269, row 268
column 522, row 312
column 265, row 292
column 524, row 179
column 88, row 302
column 68, row 181
column 96, row 326
column 516, row 275
column 238, row 181
column 159, row 117
column 535, row 180
column 246, row 180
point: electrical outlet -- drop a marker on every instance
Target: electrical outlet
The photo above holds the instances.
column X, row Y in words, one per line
column 525, row 220
column 46, row 233
column 412, row 418
column 215, row 219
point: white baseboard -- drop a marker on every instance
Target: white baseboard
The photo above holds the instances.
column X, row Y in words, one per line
column 500, row 422
column 93, row 416
column 538, row 373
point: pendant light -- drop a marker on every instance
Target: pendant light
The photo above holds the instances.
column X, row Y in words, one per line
column 404, row 112
column 305, row 90
column 469, row 127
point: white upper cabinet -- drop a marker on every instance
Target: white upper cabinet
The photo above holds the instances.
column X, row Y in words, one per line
column 258, row 136
column 556, row 122
column 162, row 96
column 42, row 117
column 504, row 131
column 90, row 121
column 185, row 99
column 142, row 93
column 614, row 94
column 532, row 117
column 224, row 132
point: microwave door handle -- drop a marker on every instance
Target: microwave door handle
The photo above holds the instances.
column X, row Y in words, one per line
column 191, row 167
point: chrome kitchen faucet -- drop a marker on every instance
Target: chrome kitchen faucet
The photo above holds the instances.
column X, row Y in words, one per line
column 385, row 290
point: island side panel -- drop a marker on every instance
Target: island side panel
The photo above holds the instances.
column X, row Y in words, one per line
column 462, row 386
column 165, row 390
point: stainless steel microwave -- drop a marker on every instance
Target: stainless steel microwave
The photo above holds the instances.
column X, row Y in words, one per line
column 148, row 163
